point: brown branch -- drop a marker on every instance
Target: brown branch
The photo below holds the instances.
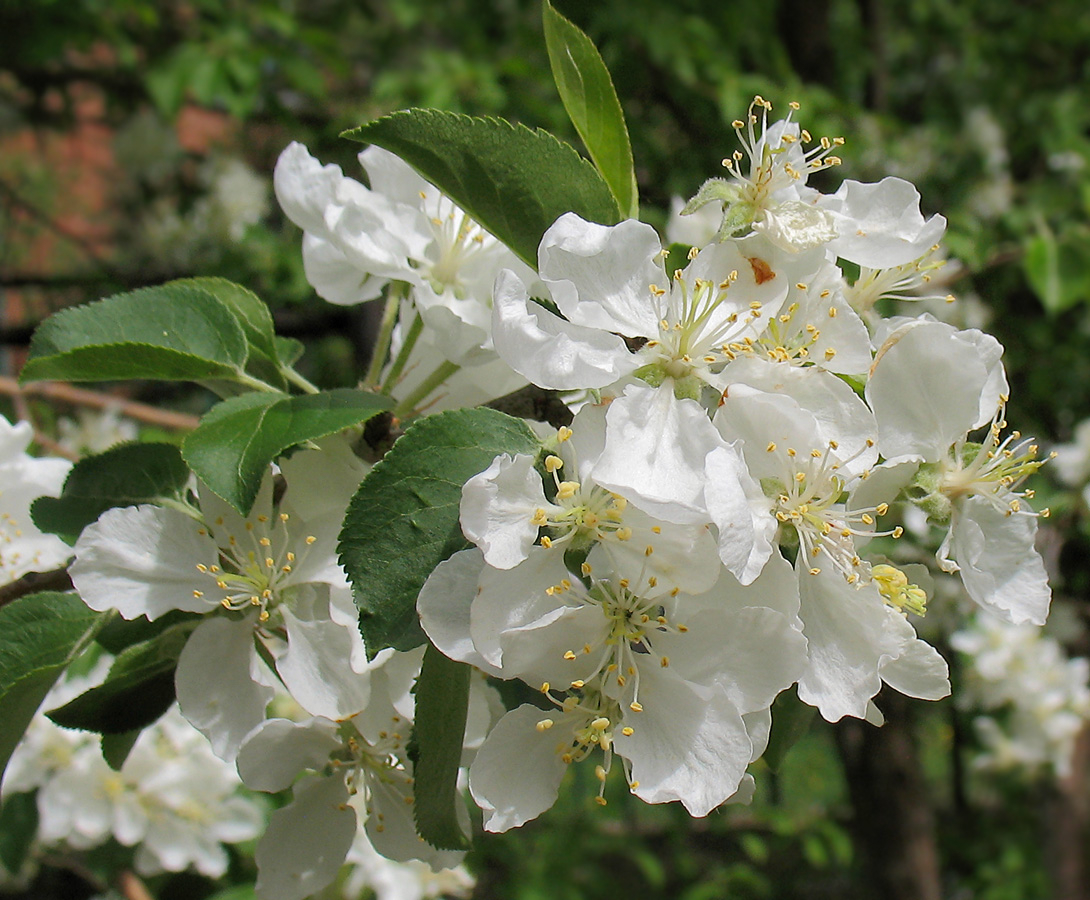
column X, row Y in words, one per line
column 132, row 888
column 33, row 582
column 132, row 409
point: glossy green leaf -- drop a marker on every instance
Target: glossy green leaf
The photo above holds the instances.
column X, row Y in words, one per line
column 167, row 333
column 125, row 475
column 136, row 692
column 514, row 181
column 591, row 101
column 442, row 701
column 39, row 636
column 403, row 520
column 237, row 439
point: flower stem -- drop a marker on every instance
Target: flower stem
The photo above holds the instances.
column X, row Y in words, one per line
column 386, row 330
column 398, row 364
column 299, row 381
column 442, row 372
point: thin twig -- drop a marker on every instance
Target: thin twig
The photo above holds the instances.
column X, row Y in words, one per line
column 132, row 409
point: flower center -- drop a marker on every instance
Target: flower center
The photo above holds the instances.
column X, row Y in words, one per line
column 255, row 566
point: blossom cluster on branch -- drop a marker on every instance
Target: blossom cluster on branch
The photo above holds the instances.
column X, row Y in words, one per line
column 743, row 427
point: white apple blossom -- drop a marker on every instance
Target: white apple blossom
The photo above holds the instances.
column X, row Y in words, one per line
column 24, row 478
column 664, row 679
column 270, row 579
column 358, row 239
column 766, row 190
column 930, row 386
column 356, row 773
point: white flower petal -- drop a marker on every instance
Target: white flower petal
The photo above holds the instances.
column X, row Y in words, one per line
column 689, row 743
column 548, row 351
column 306, row 842
column 517, row 772
column 215, row 686
column 444, row 605
column 497, row 507
column 999, row 566
column 740, row 511
column 655, row 451
column 142, row 561
column 600, row 275
column 880, row 225
column 274, row 753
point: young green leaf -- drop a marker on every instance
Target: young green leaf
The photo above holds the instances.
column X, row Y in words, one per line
column 237, row 439
column 515, row 182
column 122, row 476
column 39, row 636
column 442, row 701
column 138, row 690
column 791, row 719
column 591, row 101
column 169, row 333
column 403, row 520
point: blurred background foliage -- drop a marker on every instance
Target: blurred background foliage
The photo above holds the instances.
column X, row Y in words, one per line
column 137, row 141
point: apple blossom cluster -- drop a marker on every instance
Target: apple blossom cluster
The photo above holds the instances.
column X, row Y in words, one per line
column 1033, row 700
column 172, row 799
column 695, row 541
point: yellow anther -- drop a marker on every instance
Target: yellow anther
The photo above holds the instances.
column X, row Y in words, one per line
column 544, row 725
column 600, row 724
column 815, row 571
column 664, row 662
column 552, row 463
column 546, row 542
column 569, row 654
column 567, row 489
column 311, row 539
column 648, row 550
column 601, row 801
column 627, row 731
column 585, row 568
column 635, row 706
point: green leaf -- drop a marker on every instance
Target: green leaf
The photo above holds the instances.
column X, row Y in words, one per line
column 403, row 520
column 256, row 321
column 167, row 333
column 250, row 310
column 18, row 826
column 39, row 636
column 122, row 476
column 591, row 101
column 119, row 634
column 237, row 439
column 442, row 700
column 1058, row 269
column 288, row 350
column 116, row 747
column 791, row 719
column 138, row 690
column 515, row 182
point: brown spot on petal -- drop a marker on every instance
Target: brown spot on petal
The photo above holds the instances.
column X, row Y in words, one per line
column 762, row 271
